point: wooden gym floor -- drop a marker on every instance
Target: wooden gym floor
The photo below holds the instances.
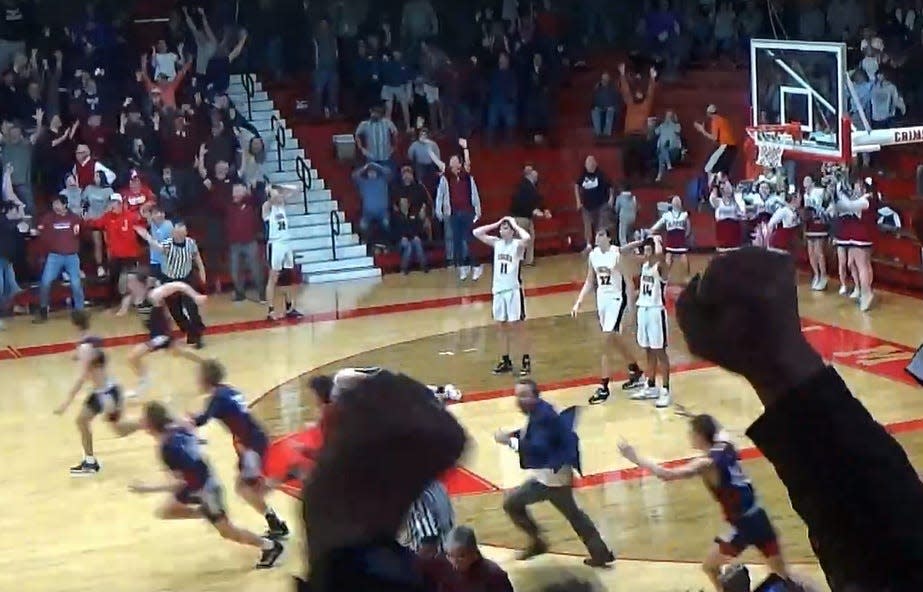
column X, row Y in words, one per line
column 67, row 534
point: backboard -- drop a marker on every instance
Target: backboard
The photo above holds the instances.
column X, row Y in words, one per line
column 803, row 82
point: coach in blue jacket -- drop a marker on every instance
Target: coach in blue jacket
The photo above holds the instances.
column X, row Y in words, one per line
column 550, row 450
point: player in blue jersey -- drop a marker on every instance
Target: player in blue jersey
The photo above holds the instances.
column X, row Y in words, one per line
column 227, row 405
column 720, row 470
column 196, row 492
column 105, row 399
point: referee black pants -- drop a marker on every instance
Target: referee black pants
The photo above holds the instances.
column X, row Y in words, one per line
column 184, row 310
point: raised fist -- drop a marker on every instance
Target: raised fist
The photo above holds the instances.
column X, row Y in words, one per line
column 741, row 313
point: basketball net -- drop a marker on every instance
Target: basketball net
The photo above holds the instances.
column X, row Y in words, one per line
column 769, row 155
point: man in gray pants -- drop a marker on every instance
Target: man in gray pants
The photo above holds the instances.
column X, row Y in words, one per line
column 549, row 448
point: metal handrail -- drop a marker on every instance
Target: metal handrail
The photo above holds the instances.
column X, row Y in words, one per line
column 249, row 84
column 334, row 232
column 304, row 175
column 278, row 129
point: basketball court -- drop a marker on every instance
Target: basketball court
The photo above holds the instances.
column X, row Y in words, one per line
column 71, row 534
column 67, row 534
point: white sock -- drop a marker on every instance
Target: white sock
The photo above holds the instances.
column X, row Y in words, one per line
column 267, row 544
column 90, row 460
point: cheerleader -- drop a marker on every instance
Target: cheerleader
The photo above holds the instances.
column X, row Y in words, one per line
column 757, row 214
column 816, row 231
column 675, row 223
column 729, row 213
column 853, row 241
column 783, row 225
column 860, row 252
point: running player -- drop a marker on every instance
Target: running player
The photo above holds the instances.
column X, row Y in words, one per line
column 227, row 405
column 196, row 492
column 675, row 222
column 86, row 341
column 720, row 470
column 509, row 299
column 730, row 212
column 105, row 399
column 652, row 323
column 279, row 253
column 816, row 231
column 605, row 272
column 148, row 302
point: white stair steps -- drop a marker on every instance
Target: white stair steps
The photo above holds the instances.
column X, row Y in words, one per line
column 326, row 254
column 307, row 244
column 338, row 264
column 310, row 231
column 342, row 276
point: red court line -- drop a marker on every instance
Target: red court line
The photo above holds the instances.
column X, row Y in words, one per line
column 30, row 351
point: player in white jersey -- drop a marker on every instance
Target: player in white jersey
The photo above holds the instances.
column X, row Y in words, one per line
column 604, row 271
column 652, row 322
column 509, row 299
column 279, row 252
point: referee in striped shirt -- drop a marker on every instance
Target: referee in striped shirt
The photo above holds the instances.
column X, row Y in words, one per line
column 180, row 255
column 429, row 521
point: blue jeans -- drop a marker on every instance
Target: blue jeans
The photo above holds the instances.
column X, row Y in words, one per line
column 500, row 114
column 412, row 248
column 54, row 265
column 326, row 79
column 382, row 218
column 462, row 224
column 602, row 120
column 8, row 285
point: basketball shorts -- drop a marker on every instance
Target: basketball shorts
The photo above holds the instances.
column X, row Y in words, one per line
column 652, row 327
column 400, row 93
column 509, row 306
column 250, row 461
column 611, row 313
column 108, row 403
column 754, row 530
column 280, row 256
column 209, row 500
column 159, row 342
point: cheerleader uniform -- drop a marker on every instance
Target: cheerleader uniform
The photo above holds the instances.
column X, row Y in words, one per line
column 675, row 225
column 728, row 228
column 866, row 230
column 783, row 227
column 817, row 225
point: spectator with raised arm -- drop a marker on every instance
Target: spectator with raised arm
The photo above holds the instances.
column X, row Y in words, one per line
column 19, row 151
column 638, row 107
column 205, row 41
column 458, row 202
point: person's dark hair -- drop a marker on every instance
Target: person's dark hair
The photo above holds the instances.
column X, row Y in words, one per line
column 156, row 416
column 706, row 426
column 605, row 230
column 464, row 537
column 533, row 386
column 80, row 319
column 322, row 384
column 213, row 372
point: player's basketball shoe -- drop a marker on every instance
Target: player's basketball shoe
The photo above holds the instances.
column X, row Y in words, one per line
column 292, row 313
column 649, row 392
column 278, row 529
column 526, row 368
column 505, row 366
column 664, row 400
column 270, row 556
column 635, row 380
column 85, row 468
column 600, row 396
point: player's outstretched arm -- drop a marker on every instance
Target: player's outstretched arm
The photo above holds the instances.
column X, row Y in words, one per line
column 83, row 359
column 691, row 469
column 158, row 294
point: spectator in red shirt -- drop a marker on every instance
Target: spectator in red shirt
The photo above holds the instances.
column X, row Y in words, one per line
column 179, row 145
column 59, row 231
column 119, row 229
column 241, row 226
column 458, row 203
column 138, row 196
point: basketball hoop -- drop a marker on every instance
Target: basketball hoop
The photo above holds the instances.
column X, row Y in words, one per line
column 771, row 142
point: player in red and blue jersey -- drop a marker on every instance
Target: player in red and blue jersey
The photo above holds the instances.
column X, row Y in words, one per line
column 227, row 405
column 720, row 470
column 196, row 492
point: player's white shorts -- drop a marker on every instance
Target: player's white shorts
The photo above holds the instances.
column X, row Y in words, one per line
column 509, row 306
column 611, row 313
column 280, row 256
column 652, row 327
